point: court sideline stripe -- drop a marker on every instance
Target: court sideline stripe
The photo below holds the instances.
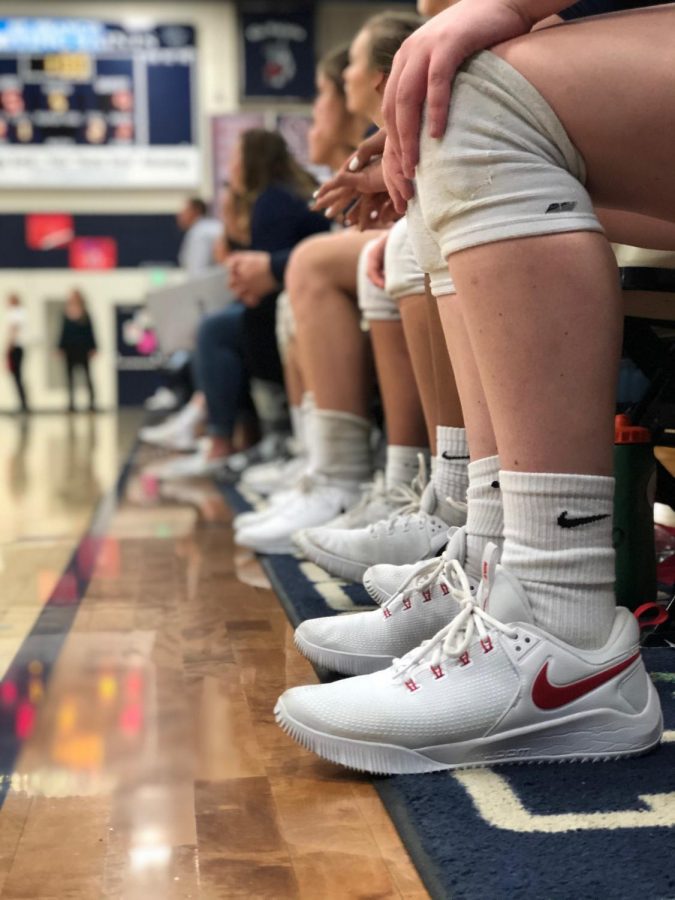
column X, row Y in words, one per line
column 59, row 611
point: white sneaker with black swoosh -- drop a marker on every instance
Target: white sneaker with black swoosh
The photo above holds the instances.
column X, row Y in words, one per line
column 491, row 687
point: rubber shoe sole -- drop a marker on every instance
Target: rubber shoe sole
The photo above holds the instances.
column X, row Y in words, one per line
column 282, row 547
column 593, row 737
column 343, row 568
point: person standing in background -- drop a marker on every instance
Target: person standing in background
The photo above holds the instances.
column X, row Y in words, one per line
column 16, row 335
column 78, row 345
column 197, row 252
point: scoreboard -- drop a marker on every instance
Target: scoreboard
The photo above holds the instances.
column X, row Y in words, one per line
column 97, row 105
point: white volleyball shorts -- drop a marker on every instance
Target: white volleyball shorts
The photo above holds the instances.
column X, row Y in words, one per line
column 375, row 304
column 285, row 324
column 505, row 168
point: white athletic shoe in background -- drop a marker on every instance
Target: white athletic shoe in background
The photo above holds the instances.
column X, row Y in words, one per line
column 268, row 477
column 269, row 508
column 359, row 643
column 195, row 465
column 163, row 400
column 377, row 502
column 418, row 531
column 313, row 503
column 489, row 688
column 276, row 501
column 179, row 432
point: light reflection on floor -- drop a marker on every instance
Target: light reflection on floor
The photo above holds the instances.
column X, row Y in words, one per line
column 149, row 765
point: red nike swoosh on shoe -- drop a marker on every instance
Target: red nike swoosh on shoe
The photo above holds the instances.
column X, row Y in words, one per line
column 552, row 696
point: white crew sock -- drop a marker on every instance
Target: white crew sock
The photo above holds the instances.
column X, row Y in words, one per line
column 297, row 428
column 340, row 446
column 402, row 464
column 301, row 420
column 558, row 543
column 449, row 472
column 485, row 514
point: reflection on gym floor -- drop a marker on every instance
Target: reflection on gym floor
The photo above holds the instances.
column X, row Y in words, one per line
column 140, row 668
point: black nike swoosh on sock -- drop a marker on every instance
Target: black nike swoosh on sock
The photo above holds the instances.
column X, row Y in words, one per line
column 565, row 522
column 445, row 456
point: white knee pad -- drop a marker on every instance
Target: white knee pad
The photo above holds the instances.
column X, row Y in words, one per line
column 285, row 323
column 403, row 275
column 427, row 252
column 642, row 258
column 504, row 169
column 374, row 303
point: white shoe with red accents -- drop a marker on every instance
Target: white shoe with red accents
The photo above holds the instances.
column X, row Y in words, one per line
column 382, row 581
column 359, row 643
column 489, row 688
column 418, row 531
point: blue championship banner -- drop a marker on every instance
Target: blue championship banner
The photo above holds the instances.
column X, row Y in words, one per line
column 278, row 54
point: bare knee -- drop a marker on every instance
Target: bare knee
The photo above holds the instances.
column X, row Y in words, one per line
column 307, row 264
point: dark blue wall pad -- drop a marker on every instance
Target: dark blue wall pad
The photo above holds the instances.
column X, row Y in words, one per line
column 141, row 240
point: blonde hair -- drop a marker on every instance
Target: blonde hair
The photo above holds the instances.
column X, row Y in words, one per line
column 332, row 66
column 387, row 31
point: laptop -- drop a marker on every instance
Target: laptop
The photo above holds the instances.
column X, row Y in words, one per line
column 177, row 311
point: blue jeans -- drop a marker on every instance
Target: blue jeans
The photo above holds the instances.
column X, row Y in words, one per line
column 220, row 371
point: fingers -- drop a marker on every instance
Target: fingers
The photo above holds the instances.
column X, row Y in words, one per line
column 334, row 201
column 340, row 180
column 439, row 81
column 371, row 179
column 340, row 190
column 368, row 150
column 410, row 98
column 341, row 198
column 389, row 110
column 375, row 263
column 398, row 187
column 375, row 211
column 367, row 214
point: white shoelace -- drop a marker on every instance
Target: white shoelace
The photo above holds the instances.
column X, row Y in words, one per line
column 370, row 492
column 455, row 639
column 410, row 501
column 432, row 575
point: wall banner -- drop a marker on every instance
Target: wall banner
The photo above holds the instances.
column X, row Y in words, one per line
column 278, row 54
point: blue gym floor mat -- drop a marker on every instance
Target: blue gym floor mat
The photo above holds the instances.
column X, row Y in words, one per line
column 550, row 832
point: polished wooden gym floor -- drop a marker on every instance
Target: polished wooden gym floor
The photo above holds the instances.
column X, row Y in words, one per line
column 140, row 755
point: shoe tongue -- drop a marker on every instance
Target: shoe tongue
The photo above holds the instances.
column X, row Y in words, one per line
column 428, row 501
column 506, row 600
column 456, row 548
